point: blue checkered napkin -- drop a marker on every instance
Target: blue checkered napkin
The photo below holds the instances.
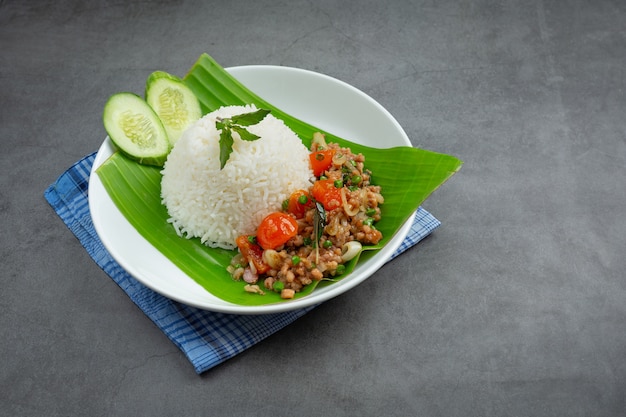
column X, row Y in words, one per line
column 206, row 338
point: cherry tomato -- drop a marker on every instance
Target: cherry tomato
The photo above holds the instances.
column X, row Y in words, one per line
column 253, row 253
column 299, row 202
column 326, row 193
column 275, row 229
column 321, row 161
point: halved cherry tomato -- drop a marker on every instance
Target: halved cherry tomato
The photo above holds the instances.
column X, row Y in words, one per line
column 321, row 161
column 275, row 229
column 326, row 193
column 252, row 252
column 299, row 202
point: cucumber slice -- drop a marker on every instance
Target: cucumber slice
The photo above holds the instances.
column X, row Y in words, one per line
column 136, row 129
column 175, row 104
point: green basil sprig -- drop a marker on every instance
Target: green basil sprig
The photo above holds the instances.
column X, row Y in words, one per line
column 237, row 123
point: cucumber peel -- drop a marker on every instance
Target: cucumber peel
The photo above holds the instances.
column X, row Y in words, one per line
column 135, row 129
column 173, row 102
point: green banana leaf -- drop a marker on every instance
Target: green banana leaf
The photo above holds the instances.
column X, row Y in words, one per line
column 407, row 176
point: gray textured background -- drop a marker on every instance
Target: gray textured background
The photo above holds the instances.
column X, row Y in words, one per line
column 516, row 306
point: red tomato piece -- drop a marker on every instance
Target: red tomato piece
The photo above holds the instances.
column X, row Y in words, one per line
column 275, row 229
column 321, row 161
column 296, row 207
column 326, row 193
column 253, row 253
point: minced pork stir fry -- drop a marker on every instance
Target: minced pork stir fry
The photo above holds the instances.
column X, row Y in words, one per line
column 317, row 231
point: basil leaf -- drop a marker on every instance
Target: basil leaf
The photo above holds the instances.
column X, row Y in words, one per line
column 221, row 124
column 244, row 134
column 226, row 146
column 321, row 212
column 319, row 221
column 249, row 119
column 237, row 123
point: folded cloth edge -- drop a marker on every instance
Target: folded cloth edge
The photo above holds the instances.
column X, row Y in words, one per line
column 206, row 338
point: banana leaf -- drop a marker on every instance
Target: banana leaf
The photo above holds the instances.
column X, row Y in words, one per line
column 407, row 176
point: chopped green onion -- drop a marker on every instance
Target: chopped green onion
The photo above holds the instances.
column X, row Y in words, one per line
column 285, row 204
column 368, row 222
column 370, row 212
column 278, row 286
column 307, row 241
column 323, row 177
column 353, row 188
column 252, row 239
column 295, row 259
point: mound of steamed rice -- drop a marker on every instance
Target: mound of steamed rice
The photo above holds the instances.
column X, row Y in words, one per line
column 219, row 205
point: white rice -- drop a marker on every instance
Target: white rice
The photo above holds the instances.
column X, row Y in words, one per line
column 219, row 205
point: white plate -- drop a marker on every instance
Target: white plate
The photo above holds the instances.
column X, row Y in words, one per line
column 320, row 100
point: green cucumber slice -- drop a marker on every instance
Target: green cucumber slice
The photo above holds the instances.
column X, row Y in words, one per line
column 135, row 129
column 175, row 104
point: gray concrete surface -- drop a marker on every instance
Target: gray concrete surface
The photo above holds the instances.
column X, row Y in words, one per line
column 516, row 306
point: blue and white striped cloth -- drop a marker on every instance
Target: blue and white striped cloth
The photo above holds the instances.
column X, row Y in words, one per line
column 206, row 338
